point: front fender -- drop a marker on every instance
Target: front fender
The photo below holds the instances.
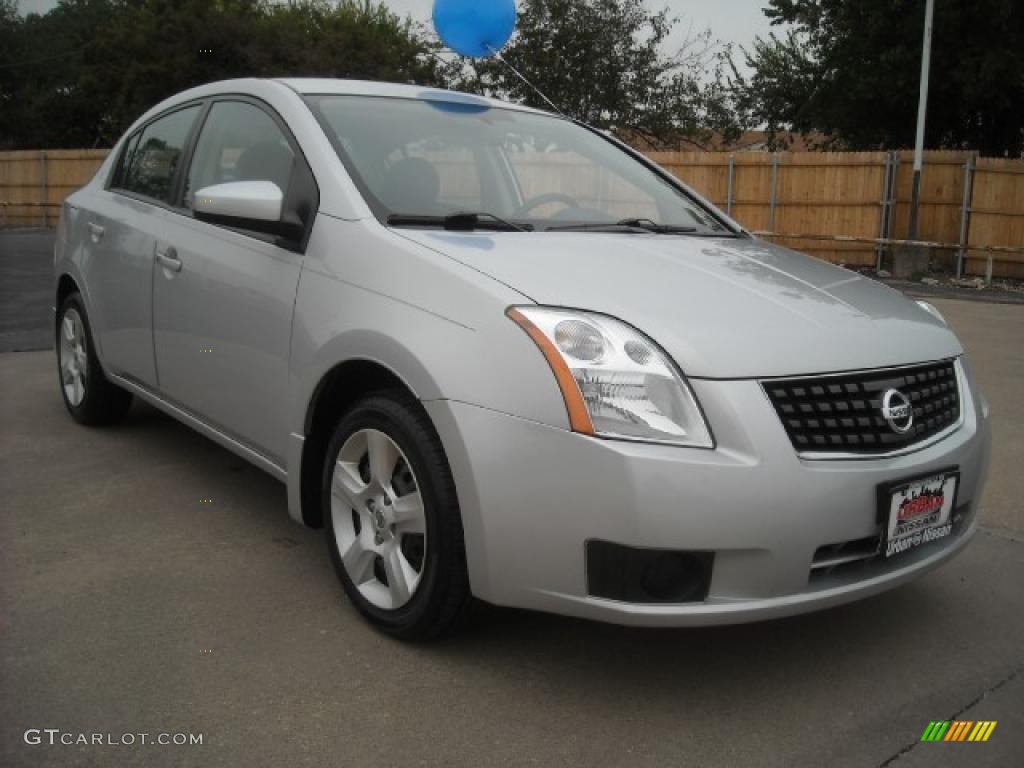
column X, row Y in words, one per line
column 438, row 325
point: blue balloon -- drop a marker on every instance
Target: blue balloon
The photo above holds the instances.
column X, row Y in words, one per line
column 475, row 27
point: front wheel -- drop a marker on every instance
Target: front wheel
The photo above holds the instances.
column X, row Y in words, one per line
column 89, row 396
column 393, row 524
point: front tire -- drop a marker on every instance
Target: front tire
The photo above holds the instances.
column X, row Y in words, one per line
column 90, row 398
column 394, row 530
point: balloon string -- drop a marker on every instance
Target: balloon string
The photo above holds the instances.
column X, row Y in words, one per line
column 520, row 75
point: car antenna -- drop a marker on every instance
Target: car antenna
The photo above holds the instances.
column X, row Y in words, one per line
column 522, row 77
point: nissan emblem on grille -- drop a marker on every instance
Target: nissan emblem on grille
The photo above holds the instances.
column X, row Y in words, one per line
column 897, row 412
column 867, row 412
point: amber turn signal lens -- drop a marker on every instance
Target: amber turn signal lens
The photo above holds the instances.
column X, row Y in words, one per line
column 579, row 416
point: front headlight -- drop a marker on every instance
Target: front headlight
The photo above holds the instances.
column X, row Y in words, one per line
column 616, row 382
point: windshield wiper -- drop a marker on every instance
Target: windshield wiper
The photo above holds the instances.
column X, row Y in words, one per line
column 459, row 222
column 652, row 226
column 625, row 225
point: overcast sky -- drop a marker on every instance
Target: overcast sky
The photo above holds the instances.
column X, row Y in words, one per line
column 735, row 21
column 732, row 21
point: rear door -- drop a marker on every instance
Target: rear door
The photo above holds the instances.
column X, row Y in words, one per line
column 223, row 297
column 122, row 224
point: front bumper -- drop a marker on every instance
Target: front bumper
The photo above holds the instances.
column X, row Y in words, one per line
column 533, row 495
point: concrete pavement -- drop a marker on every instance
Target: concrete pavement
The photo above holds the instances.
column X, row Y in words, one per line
column 26, row 290
column 152, row 582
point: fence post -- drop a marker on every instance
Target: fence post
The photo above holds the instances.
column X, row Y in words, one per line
column 728, row 190
column 965, row 214
column 46, row 188
column 889, row 225
column 774, row 192
column 886, row 209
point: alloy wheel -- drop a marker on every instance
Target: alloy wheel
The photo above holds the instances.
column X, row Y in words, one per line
column 379, row 519
column 74, row 358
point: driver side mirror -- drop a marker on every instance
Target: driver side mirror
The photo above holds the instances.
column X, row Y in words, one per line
column 252, row 205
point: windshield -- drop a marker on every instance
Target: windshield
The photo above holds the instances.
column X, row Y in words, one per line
column 414, row 158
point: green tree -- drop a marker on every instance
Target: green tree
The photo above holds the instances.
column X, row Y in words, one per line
column 10, row 24
column 80, row 74
column 602, row 61
column 38, row 82
column 850, row 70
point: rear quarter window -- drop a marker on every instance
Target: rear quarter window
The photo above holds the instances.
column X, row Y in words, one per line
column 152, row 156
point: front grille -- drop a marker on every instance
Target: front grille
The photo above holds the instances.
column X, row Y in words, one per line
column 832, row 556
column 851, row 561
column 843, row 413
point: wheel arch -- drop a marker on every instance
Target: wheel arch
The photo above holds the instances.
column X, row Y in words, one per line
column 66, row 285
column 337, row 390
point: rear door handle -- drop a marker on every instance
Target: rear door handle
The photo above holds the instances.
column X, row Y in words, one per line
column 96, row 231
column 168, row 259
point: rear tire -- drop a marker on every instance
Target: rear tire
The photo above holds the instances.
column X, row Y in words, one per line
column 90, row 398
column 393, row 525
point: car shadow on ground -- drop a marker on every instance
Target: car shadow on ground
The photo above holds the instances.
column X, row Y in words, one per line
column 655, row 661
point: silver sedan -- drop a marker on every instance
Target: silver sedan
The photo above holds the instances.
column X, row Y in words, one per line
column 496, row 353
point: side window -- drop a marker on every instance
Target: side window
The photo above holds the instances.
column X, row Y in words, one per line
column 239, row 142
column 126, row 160
column 153, row 157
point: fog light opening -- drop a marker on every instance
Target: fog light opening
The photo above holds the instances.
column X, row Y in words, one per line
column 673, row 577
column 638, row 575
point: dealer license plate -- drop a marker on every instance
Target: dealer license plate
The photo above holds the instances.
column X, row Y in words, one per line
column 919, row 511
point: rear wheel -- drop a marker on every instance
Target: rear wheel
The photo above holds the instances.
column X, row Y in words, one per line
column 393, row 524
column 90, row 398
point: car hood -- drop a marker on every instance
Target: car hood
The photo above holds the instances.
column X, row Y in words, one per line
column 721, row 307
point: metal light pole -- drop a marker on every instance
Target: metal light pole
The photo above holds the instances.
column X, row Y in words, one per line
column 922, row 108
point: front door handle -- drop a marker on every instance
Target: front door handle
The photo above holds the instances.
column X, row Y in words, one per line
column 96, row 231
column 169, row 259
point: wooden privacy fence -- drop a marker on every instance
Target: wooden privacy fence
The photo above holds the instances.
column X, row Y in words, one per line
column 835, row 205
column 839, row 205
column 33, row 183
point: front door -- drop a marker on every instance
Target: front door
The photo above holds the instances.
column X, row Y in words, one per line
column 223, row 298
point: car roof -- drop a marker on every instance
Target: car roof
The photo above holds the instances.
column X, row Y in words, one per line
column 341, row 87
column 313, row 86
column 338, row 195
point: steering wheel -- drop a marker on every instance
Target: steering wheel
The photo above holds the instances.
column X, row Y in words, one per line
column 547, row 197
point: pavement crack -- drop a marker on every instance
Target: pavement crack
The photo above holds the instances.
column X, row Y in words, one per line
column 956, row 715
column 1002, row 533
